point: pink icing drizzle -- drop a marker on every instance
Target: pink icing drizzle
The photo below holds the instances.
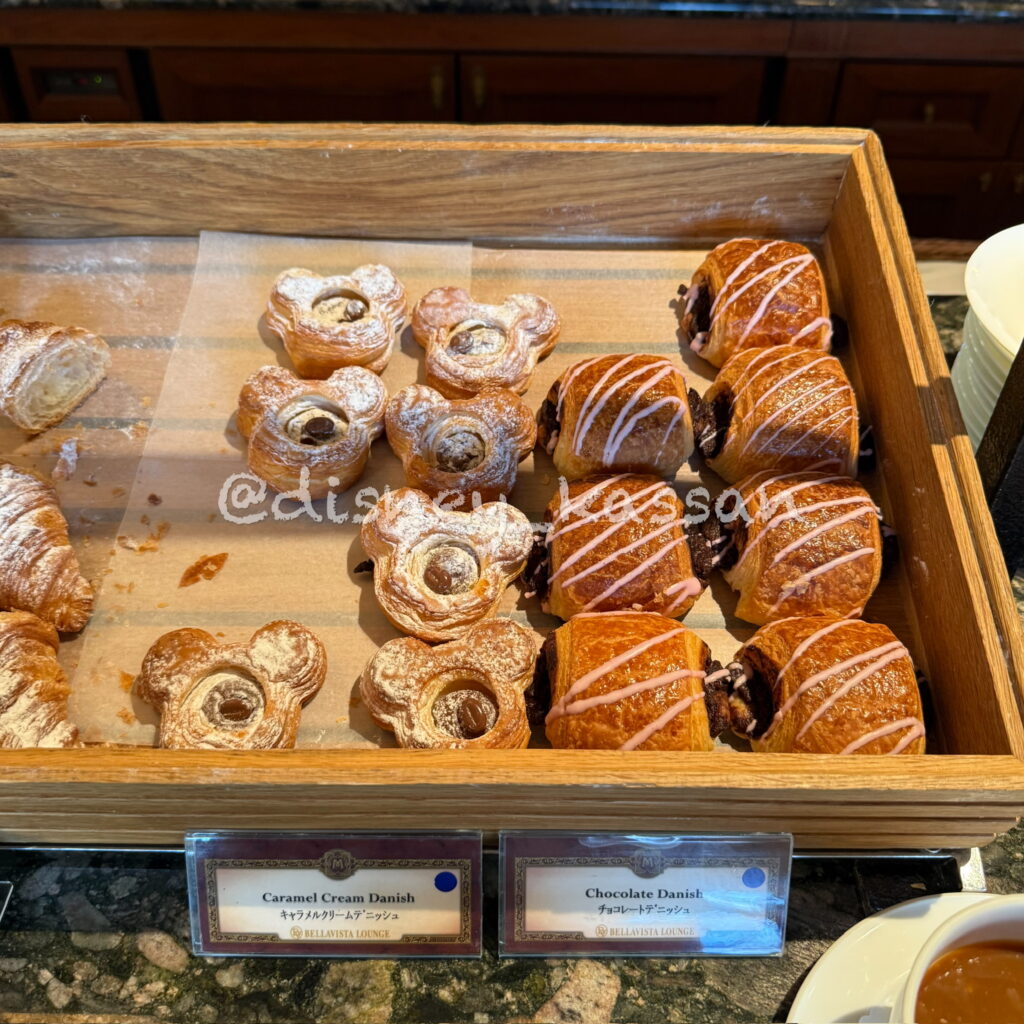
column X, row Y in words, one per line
column 604, row 535
column 824, row 527
column 577, row 707
column 894, row 651
column 739, row 270
column 693, row 583
column 608, row 510
column 611, row 665
column 583, row 573
column 818, row 677
column 659, row 723
column 802, row 262
column 596, row 399
column 801, row 582
column 916, row 732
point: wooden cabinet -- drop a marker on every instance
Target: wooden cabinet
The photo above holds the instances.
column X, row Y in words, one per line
column 302, row 85
column 968, row 111
column 958, row 198
column 65, row 84
column 611, row 89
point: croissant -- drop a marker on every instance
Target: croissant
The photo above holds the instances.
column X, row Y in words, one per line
column 784, row 408
column 750, row 293
column 345, row 320
column 822, row 685
column 437, row 572
column 471, row 346
column 620, row 542
column 806, row 544
column 243, row 696
column 466, row 694
column 46, row 370
column 33, row 687
column 468, row 447
column 618, row 414
column 629, row 681
column 323, row 427
column 38, row 569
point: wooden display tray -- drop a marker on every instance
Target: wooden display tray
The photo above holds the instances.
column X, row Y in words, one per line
column 571, row 186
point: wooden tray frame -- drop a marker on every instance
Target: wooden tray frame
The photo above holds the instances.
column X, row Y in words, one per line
column 535, row 185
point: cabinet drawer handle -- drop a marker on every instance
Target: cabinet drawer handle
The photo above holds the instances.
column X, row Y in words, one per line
column 437, row 88
column 479, row 87
column 1018, row 184
column 984, row 181
column 929, row 113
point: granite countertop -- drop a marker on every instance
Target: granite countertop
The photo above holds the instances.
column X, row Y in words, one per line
column 924, row 10
column 100, row 938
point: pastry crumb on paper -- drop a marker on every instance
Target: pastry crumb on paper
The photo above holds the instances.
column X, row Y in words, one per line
column 204, row 568
column 151, row 543
column 67, row 460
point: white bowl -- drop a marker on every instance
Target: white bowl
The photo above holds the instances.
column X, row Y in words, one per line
column 993, row 328
column 1000, row 919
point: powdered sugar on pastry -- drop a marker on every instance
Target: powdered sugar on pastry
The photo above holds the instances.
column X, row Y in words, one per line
column 466, row 694
column 47, row 370
column 415, row 544
column 38, row 569
column 470, row 447
column 33, row 687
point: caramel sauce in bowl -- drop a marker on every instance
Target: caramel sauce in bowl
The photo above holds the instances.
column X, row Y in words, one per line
column 980, row 982
column 971, row 969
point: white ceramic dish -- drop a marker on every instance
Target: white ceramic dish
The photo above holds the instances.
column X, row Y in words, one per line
column 861, row 976
column 993, row 328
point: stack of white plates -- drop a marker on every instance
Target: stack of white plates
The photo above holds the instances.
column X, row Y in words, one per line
column 993, row 327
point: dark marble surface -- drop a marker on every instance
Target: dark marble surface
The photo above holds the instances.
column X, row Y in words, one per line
column 925, row 10
column 104, row 939
column 948, row 312
column 104, row 935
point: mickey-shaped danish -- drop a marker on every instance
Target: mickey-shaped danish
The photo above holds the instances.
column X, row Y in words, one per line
column 326, row 427
column 467, row 694
column 344, row 320
column 437, row 572
column 471, row 346
column 469, row 447
column 245, row 696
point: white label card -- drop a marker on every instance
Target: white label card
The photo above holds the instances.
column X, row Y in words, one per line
column 317, row 894
column 657, row 895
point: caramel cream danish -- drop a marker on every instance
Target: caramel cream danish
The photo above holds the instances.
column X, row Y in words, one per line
column 631, row 681
column 751, row 293
column 783, row 408
column 464, row 695
column 323, row 427
column 627, row 414
column 469, row 448
column 436, row 572
column 471, row 346
column 805, row 544
column 821, row 685
column 240, row 696
column 344, row 320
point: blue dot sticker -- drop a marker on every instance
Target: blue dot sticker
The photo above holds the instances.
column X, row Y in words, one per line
column 753, row 878
column 445, row 881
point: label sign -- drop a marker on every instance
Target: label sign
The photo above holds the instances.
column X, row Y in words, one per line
column 571, row 894
column 333, row 894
